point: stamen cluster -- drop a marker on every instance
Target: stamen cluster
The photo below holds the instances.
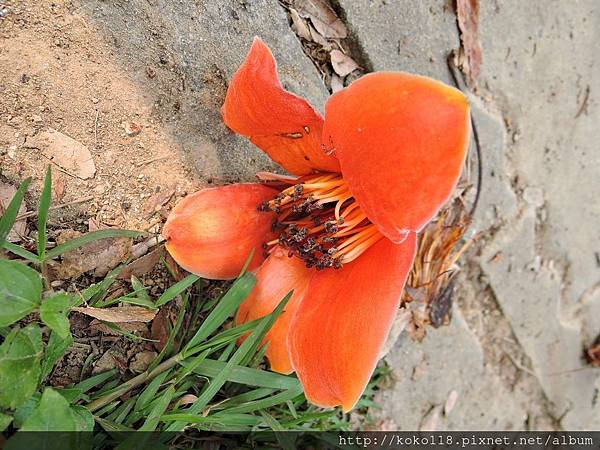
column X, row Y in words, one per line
column 320, row 222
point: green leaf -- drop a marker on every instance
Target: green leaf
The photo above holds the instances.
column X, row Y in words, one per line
column 245, row 375
column 25, row 410
column 53, row 413
column 19, row 251
column 53, row 312
column 44, row 206
column 90, row 237
column 55, row 349
column 224, row 309
column 96, row 292
column 140, row 290
column 5, row 421
column 84, row 419
column 176, row 289
column 71, row 394
column 12, row 210
column 20, row 356
column 20, row 291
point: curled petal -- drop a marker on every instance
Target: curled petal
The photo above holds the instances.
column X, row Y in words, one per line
column 282, row 124
column 401, row 140
column 341, row 324
column 212, row 232
column 278, row 275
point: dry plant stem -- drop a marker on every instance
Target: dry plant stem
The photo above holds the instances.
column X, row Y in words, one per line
column 135, row 382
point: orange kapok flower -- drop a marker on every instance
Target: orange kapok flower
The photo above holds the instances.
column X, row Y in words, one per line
column 342, row 231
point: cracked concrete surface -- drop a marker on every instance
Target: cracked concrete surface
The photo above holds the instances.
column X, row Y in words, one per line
column 538, row 203
column 529, row 299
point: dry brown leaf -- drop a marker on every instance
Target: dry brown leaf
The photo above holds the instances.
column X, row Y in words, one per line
column 160, row 328
column 58, row 188
column 318, row 38
column 98, row 256
column 142, row 265
column 337, row 84
column 467, row 12
column 325, row 20
column 119, row 314
column 187, row 399
column 158, row 200
column 64, row 151
column 342, row 64
column 299, row 26
column 129, row 327
column 7, row 192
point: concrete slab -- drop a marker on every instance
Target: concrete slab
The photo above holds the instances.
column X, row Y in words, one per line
column 194, row 48
column 540, row 182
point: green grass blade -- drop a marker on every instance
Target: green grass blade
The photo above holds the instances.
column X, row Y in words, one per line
column 90, row 237
column 19, row 251
column 246, row 375
column 224, row 309
column 148, row 394
column 176, row 289
column 159, row 409
column 12, row 210
column 285, row 440
column 43, row 208
column 246, row 263
column 254, row 394
column 273, row 400
column 96, row 380
column 211, row 389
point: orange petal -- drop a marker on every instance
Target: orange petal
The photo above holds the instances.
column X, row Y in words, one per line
column 212, row 232
column 282, row 124
column 342, row 323
column 275, row 278
column 401, row 140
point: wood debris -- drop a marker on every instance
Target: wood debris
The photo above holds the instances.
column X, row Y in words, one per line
column 467, row 12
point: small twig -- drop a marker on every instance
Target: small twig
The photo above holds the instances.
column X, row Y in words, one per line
column 148, row 161
column 52, row 208
column 139, row 250
column 453, row 72
column 520, row 366
column 584, row 103
column 96, row 129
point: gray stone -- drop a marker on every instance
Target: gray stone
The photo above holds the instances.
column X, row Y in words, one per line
column 538, row 75
column 403, row 34
column 448, row 359
column 192, row 49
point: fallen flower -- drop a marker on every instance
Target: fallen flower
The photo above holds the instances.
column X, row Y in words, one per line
column 342, row 232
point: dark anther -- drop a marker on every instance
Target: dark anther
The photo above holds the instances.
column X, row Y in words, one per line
column 298, row 190
column 331, row 227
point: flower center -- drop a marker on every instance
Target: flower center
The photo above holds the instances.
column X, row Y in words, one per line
column 320, row 221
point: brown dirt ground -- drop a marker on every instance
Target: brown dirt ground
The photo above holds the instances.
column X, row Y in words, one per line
column 57, row 72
